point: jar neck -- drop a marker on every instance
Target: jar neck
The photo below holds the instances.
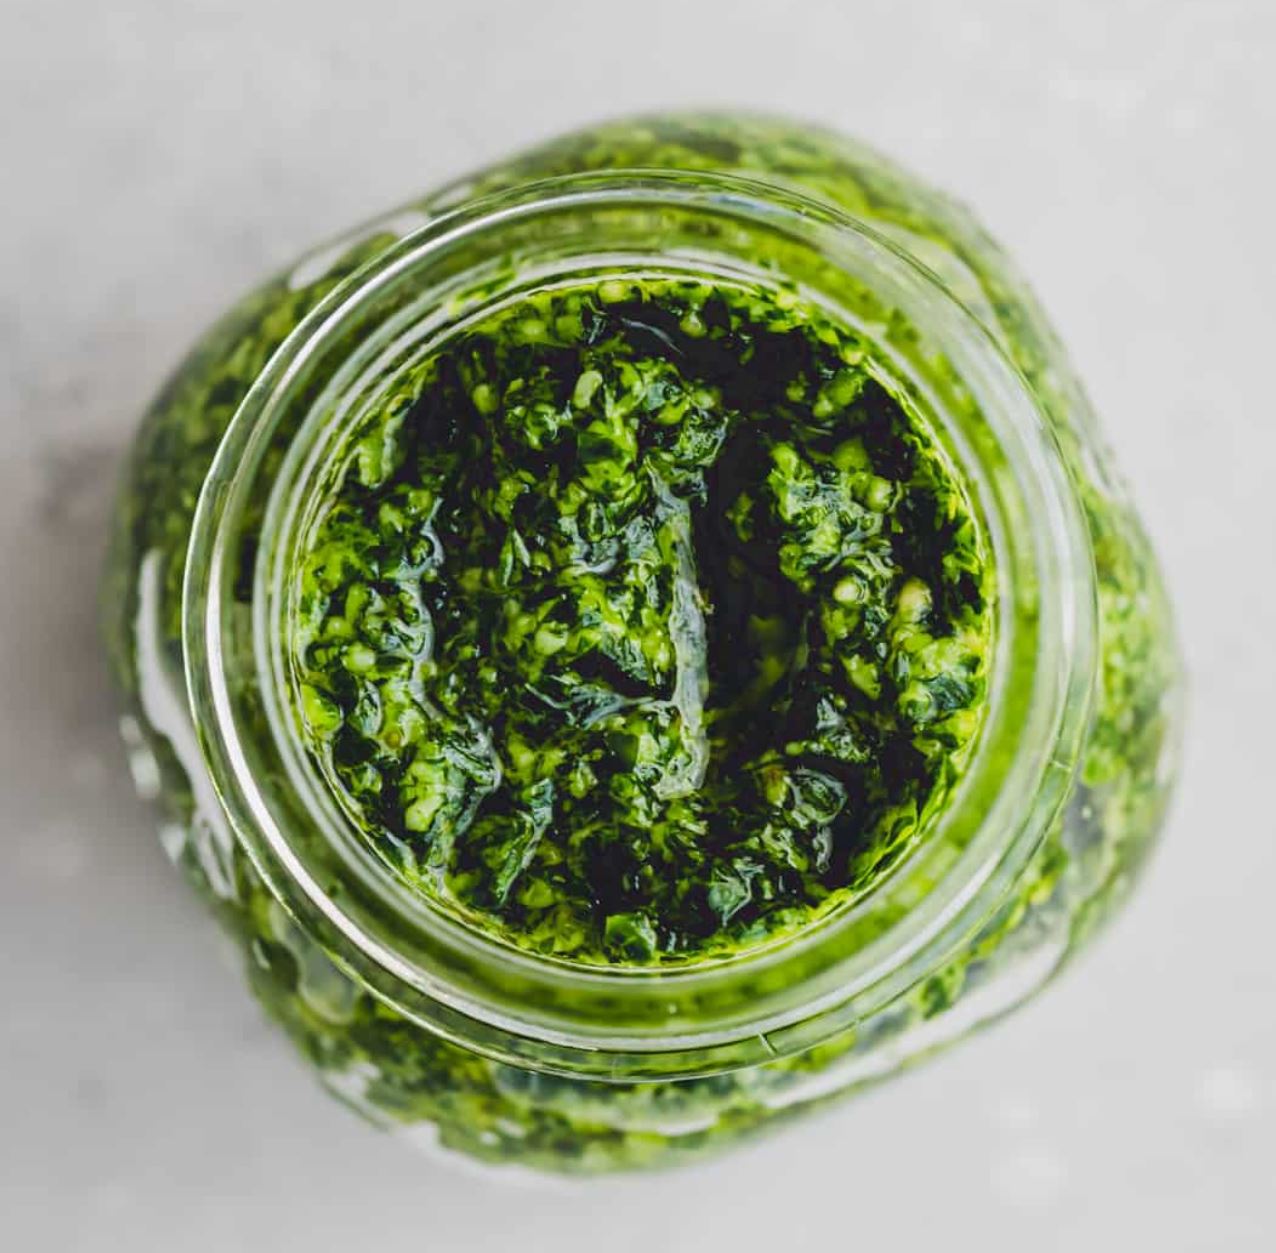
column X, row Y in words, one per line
column 275, row 465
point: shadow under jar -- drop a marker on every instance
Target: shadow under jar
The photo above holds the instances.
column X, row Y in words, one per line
column 641, row 642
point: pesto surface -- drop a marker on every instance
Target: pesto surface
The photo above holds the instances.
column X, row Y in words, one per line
column 644, row 621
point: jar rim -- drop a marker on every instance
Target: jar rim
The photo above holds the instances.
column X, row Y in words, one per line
column 629, row 1022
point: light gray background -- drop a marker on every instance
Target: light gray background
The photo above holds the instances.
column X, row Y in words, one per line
column 157, row 157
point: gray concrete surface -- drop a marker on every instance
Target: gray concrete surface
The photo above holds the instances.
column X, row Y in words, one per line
column 159, row 155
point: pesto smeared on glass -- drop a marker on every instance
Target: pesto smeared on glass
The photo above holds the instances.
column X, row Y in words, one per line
column 644, row 622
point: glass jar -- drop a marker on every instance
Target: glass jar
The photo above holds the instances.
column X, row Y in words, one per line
column 425, row 1024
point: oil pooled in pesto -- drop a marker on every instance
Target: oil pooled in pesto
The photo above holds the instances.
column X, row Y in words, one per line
column 644, row 623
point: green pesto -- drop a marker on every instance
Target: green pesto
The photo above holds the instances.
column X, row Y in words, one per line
column 644, row 623
column 405, row 1076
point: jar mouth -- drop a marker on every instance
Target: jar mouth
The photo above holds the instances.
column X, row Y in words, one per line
column 332, row 482
column 631, row 1020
